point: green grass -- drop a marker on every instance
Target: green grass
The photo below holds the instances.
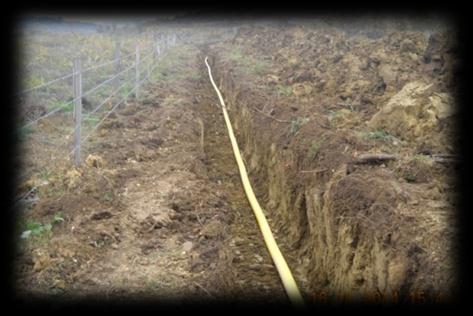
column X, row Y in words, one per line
column 314, row 148
column 45, row 174
column 297, row 123
column 378, row 134
column 33, row 81
column 235, row 55
column 126, row 91
column 108, row 197
column 410, row 176
column 171, row 100
column 53, row 189
column 92, row 119
column 22, row 134
column 332, row 114
column 259, row 67
column 66, row 106
column 170, row 67
column 38, row 229
column 49, row 55
column 421, row 158
column 54, row 192
column 248, row 63
column 284, row 90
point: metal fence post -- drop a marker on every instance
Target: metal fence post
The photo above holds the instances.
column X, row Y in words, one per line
column 77, row 81
column 137, row 73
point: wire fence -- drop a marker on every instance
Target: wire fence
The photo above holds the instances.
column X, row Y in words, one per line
column 113, row 91
column 84, row 94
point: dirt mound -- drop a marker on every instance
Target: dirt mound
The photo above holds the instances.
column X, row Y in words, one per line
column 414, row 112
column 358, row 230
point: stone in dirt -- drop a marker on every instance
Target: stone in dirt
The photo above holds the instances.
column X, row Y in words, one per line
column 187, row 246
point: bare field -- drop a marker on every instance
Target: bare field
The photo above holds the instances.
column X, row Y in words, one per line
column 349, row 140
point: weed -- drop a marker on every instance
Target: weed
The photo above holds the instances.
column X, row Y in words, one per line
column 67, row 107
column 54, row 191
column 172, row 100
column 45, row 174
column 152, row 284
column 314, row 149
column 235, row 55
column 284, row 90
column 250, row 64
column 58, row 218
column 339, row 113
column 410, row 176
column 379, row 134
column 92, row 119
column 108, row 197
column 54, row 188
column 126, row 91
column 38, row 229
column 332, row 114
column 421, row 159
column 33, row 81
column 23, row 133
column 260, row 67
column 297, row 123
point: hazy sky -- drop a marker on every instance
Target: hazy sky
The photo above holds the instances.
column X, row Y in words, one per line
column 92, row 18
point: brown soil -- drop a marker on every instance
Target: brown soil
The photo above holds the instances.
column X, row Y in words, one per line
column 157, row 210
column 382, row 231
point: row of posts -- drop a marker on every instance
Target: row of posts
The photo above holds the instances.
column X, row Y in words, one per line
column 77, row 86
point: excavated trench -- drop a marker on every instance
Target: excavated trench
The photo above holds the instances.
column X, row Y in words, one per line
column 340, row 228
column 249, row 272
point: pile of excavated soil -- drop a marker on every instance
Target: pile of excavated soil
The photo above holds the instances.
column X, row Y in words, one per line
column 383, row 229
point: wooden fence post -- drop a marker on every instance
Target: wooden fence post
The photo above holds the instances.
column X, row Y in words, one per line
column 150, row 62
column 137, row 72
column 77, row 81
column 117, row 55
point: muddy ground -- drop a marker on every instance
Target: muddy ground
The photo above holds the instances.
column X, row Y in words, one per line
column 158, row 210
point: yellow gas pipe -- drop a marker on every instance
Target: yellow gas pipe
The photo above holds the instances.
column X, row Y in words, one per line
column 281, row 265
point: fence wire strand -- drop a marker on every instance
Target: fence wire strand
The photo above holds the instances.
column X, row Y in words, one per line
column 45, row 84
column 146, row 73
column 101, row 121
column 83, row 71
column 87, row 92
